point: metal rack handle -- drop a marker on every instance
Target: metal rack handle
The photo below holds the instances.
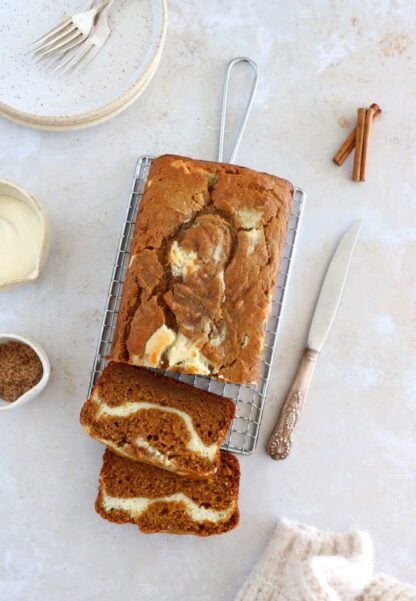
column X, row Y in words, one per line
column 240, row 132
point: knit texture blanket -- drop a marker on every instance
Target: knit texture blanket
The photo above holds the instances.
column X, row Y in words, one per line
column 302, row 563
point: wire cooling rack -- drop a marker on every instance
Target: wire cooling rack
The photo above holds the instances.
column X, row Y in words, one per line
column 243, row 434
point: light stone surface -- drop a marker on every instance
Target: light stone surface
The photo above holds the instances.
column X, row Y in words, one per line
column 354, row 459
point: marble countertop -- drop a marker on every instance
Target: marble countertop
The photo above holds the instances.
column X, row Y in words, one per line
column 354, row 459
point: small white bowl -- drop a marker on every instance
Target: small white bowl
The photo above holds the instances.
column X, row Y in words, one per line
column 29, row 395
column 11, row 189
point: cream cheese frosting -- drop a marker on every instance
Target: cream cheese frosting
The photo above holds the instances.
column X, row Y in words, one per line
column 136, row 506
column 20, row 239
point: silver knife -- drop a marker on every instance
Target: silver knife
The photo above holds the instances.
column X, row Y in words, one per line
column 280, row 442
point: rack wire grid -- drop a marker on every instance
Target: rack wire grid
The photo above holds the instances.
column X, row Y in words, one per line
column 244, row 431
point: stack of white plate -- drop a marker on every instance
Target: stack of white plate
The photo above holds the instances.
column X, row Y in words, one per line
column 31, row 95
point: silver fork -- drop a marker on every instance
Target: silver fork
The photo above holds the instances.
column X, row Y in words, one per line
column 80, row 57
column 70, row 33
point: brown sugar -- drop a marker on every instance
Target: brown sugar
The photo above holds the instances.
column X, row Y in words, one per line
column 20, row 370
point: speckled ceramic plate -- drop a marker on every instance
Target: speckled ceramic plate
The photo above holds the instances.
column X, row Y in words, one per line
column 32, row 96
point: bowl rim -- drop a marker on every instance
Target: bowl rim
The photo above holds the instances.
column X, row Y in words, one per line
column 30, row 394
column 43, row 245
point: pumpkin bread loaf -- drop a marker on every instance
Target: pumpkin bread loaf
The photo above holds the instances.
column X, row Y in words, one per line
column 204, row 261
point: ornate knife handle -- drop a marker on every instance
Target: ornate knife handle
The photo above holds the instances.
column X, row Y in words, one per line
column 280, row 442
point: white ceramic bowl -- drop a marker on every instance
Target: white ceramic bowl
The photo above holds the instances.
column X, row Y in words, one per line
column 13, row 190
column 37, row 389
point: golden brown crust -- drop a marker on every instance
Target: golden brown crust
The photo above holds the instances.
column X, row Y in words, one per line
column 125, row 479
column 164, row 431
column 204, row 263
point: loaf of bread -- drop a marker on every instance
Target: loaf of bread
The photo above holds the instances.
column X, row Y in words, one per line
column 149, row 417
column 160, row 501
column 203, row 266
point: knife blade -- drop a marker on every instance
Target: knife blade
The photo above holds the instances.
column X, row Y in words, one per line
column 281, row 439
column 332, row 288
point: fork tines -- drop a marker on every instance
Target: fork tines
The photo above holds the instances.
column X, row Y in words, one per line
column 67, row 23
column 70, row 37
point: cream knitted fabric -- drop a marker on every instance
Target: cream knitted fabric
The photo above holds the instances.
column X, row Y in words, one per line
column 302, row 563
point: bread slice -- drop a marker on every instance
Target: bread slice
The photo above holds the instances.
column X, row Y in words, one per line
column 159, row 501
column 148, row 417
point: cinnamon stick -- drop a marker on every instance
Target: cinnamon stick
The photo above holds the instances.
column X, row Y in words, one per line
column 345, row 149
column 369, row 117
column 359, row 142
column 349, row 144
